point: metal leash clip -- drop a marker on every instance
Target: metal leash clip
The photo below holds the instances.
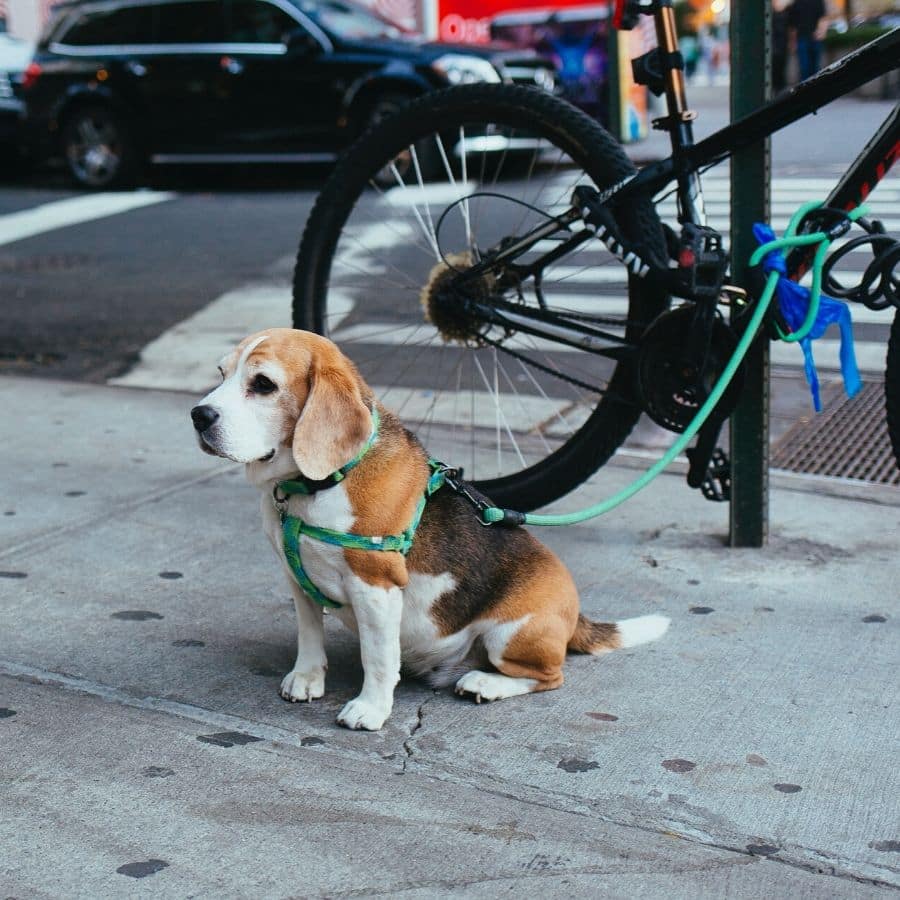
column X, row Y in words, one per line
column 280, row 502
column 453, row 480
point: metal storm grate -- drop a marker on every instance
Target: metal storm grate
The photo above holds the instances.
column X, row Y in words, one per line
column 848, row 439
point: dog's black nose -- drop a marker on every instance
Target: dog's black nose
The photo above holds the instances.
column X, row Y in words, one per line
column 203, row 417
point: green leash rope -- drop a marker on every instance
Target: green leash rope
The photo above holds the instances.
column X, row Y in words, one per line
column 790, row 240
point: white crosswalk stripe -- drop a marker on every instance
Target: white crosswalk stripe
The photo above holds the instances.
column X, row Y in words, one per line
column 184, row 357
column 17, row 226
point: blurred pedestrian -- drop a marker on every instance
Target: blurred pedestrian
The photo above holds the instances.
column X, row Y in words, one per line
column 779, row 45
column 804, row 17
column 690, row 50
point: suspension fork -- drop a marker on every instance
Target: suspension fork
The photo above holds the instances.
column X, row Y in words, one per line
column 679, row 118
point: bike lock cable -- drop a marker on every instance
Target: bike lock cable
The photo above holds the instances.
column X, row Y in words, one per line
column 791, row 239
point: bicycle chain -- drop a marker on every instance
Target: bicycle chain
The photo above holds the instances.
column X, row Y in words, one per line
column 498, row 345
column 578, row 317
column 571, row 379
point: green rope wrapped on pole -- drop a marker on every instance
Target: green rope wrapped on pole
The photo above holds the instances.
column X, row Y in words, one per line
column 790, row 240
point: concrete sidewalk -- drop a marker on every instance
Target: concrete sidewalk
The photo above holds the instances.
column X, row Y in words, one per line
column 144, row 628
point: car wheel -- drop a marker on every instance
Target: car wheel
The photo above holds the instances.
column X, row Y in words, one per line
column 98, row 148
column 386, row 105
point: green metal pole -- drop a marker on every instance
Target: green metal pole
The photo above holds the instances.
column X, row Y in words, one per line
column 751, row 46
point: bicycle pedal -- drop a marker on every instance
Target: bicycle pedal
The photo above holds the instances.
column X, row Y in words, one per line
column 716, row 486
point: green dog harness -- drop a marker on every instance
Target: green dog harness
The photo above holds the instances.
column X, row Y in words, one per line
column 293, row 527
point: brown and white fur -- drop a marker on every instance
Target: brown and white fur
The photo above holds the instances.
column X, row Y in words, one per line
column 490, row 609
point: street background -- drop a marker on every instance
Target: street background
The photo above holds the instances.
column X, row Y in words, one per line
column 200, row 256
column 749, row 753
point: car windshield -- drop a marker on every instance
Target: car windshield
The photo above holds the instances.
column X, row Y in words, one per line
column 349, row 21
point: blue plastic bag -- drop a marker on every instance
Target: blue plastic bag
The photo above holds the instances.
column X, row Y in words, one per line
column 793, row 299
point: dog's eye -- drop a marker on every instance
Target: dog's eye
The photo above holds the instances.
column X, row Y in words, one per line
column 221, row 372
column 262, row 385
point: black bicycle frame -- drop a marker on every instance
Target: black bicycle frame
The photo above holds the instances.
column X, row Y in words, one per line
column 852, row 71
column 688, row 159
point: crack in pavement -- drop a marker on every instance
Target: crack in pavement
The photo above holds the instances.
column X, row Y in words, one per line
column 414, row 729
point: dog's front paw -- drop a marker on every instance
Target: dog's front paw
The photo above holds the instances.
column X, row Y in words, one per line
column 297, row 686
column 360, row 714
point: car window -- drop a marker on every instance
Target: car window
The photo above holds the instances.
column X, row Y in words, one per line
column 110, row 25
column 347, row 20
column 55, row 24
column 195, row 22
column 256, row 22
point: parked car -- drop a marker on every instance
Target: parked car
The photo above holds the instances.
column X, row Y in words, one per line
column 114, row 84
column 884, row 20
column 14, row 57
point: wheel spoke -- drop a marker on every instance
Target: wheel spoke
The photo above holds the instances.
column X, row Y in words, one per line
column 500, row 417
column 428, row 232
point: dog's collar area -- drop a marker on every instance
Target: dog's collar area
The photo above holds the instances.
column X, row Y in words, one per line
column 293, row 528
column 305, row 486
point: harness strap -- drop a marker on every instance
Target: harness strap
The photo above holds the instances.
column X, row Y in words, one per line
column 293, row 528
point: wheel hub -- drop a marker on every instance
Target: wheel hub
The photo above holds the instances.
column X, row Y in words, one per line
column 97, row 157
column 446, row 300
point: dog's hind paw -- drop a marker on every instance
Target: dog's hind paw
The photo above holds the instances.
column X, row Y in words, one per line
column 492, row 686
column 360, row 714
column 297, row 686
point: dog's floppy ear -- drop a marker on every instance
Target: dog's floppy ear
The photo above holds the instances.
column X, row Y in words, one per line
column 334, row 422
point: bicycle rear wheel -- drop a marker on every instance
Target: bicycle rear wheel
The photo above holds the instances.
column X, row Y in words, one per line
column 892, row 387
column 423, row 195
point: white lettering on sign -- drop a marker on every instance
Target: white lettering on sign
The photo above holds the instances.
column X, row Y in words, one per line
column 456, row 29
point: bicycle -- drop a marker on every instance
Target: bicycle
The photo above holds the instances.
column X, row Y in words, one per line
column 468, row 286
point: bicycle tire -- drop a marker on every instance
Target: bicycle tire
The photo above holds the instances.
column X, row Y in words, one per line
column 596, row 154
column 892, row 387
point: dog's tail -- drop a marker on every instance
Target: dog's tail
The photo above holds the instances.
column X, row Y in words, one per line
column 601, row 637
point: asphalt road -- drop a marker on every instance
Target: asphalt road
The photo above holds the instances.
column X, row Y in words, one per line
column 81, row 301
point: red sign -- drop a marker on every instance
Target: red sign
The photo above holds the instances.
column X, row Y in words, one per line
column 469, row 21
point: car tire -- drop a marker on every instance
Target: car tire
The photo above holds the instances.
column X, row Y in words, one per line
column 98, row 148
column 385, row 105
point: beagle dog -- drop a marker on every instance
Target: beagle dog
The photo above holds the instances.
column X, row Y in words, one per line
column 490, row 610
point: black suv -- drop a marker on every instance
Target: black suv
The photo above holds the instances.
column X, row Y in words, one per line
column 114, row 84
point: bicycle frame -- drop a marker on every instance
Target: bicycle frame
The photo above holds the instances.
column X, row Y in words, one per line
column 687, row 160
column 848, row 73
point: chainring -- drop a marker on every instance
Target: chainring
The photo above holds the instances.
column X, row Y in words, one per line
column 671, row 386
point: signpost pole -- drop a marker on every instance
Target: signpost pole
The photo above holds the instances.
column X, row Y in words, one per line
column 751, row 45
